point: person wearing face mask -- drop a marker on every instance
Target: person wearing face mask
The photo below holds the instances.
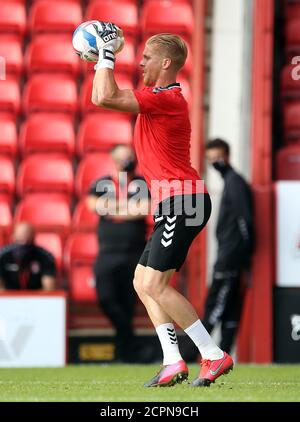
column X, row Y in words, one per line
column 122, row 238
column 235, row 238
column 24, row 265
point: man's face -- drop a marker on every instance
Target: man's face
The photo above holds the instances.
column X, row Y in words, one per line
column 151, row 64
column 23, row 234
column 216, row 154
column 121, row 156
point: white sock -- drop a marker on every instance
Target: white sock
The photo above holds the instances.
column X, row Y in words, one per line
column 207, row 347
column 168, row 340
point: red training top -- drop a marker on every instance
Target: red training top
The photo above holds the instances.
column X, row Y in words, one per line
column 162, row 143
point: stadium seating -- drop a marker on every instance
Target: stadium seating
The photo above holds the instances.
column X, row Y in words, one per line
column 8, row 137
column 288, row 163
column 7, row 178
column 50, row 93
column 80, row 249
column 10, row 97
column 85, row 102
column 54, row 17
column 291, row 121
column 82, row 284
column 290, row 87
column 167, row 16
column 90, row 169
column 13, row 17
column 124, row 14
column 11, row 50
column 84, row 220
column 5, row 220
column 51, row 242
column 46, row 213
column 101, row 132
column 52, row 53
column 44, row 133
column 40, row 173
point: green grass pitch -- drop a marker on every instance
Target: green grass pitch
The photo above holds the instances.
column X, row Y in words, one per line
column 109, row 383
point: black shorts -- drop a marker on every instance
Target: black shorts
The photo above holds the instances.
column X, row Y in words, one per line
column 178, row 220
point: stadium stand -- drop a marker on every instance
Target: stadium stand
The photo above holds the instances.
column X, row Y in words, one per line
column 48, row 92
column 5, row 220
column 11, row 49
column 53, row 243
column 10, row 99
column 83, row 220
column 7, row 178
column 99, row 133
column 40, row 173
column 52, row 53
column 47, row 133
column 54, row 17
column 8, row 138
column 288, row 162
column 91, row 168
column 13, row 18
column 45, row 213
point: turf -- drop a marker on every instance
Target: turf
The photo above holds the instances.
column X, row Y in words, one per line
column 112, row 383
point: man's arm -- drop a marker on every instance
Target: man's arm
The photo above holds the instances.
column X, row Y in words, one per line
column 107, row 94
column 48, row 282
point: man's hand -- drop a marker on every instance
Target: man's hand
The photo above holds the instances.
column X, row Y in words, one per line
column 110, row 37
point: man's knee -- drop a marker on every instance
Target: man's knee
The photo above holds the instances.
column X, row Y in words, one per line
column 154, row 284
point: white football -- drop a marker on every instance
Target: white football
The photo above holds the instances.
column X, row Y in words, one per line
column 84, row 40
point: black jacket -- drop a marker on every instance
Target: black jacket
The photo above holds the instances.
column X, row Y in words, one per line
column 235, row 226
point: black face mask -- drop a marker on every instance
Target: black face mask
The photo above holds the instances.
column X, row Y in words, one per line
column 129, row 165
column 220, row 166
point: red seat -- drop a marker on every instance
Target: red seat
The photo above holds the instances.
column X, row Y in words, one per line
column 292, row 11
column 50, row 93
column 186, row 89
column 51, row 242
column 83, row 219
column 91, row 168
column 45, row 173
column 12, row 17
column 288, row 163
column 52, row 53
column 292, row 37
column 46, row 213
column 49, row 16
column 8, row 138
column 86, row 104
column 11, row 50
column 5, row 220
column 82, row 284
column 167, row 16
column 100, row 132
column 7, row 178
column 45, row 133
column 290, row 86
column 80, row 249
column 291, row 121
column 123, row 14
column 10, row 96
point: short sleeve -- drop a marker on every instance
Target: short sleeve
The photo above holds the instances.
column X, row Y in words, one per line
column 159, row 102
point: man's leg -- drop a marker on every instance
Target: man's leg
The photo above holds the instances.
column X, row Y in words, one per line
column 174, row 369
column 178, row 308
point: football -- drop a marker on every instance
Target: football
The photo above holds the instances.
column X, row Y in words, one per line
column 84, row 40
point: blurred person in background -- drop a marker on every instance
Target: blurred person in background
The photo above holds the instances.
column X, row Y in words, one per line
column 122, row 238
column 24, row 265
column 235, row 237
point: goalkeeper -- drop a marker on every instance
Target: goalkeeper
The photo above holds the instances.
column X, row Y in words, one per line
column 180, row 201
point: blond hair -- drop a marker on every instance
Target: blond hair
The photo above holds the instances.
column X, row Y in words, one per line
column 173, row 46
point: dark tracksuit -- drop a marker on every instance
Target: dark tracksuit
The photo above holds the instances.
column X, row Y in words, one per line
column 121, row 244
column 235, row 238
